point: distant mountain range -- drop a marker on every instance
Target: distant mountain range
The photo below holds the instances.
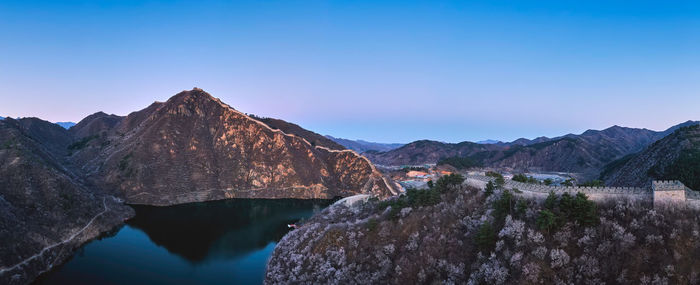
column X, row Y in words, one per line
column 364, row 146
column 427, row 151
column 65, row 125
column 489, row 142
column 524, row 141
column 586, row 153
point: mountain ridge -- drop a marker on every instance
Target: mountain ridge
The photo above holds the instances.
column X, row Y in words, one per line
column 674, row 157
column 586, row 153
column 194, row 147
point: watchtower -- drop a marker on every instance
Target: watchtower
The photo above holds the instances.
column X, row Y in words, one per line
column 668, row 192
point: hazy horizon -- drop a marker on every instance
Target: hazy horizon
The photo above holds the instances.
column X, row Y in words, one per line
column 382, row 72
column 404, row 142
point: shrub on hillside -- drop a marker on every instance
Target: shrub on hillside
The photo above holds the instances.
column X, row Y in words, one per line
column 421, row 197
column 488, row 191
column 485, row 238
column 524, row 179
column 446, row 182
column 493, row 174
column 458, row 162
column 460, row 241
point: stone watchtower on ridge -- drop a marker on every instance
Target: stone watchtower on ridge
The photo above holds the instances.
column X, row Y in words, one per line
column 668, row 192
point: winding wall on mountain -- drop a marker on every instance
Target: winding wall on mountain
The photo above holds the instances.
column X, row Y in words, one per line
column 599, row 194
column 194, row 147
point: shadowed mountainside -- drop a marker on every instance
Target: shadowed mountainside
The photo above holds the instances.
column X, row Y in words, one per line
column 45, row 210
column 427, row 151
column 95, row 124
column 675, row 157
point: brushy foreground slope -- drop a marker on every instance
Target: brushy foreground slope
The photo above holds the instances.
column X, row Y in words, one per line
column 459, row 235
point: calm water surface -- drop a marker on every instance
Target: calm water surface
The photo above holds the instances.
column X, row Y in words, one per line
column 219, row 242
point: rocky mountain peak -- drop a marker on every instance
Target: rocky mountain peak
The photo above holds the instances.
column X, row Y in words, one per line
column 194, row 96
column 94, row 124
column 194, row 147
column 195, row 102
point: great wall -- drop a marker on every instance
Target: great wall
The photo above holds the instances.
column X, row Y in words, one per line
column 661, row 193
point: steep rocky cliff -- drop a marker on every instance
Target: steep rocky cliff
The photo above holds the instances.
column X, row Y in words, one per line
column 45, row 210
column 675, row 157
column 196, row 148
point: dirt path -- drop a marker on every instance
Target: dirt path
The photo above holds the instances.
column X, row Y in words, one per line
column 70, row 238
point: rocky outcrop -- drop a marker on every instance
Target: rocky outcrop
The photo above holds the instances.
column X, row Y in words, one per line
column 196, row 148
column 46, row 212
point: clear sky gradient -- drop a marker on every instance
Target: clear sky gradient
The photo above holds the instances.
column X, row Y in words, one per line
column 391, row 71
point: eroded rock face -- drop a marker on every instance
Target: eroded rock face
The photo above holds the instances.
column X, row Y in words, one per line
column 196, row 148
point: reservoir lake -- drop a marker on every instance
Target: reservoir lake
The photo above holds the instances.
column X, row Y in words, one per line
column 217, row 242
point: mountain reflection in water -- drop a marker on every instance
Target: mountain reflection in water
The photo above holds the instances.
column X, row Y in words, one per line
column 218, row 242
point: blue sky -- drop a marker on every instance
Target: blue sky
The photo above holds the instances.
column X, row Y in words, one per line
column 389, row 71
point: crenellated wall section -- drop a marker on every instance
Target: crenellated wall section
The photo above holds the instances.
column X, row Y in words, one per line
column 662, row 193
